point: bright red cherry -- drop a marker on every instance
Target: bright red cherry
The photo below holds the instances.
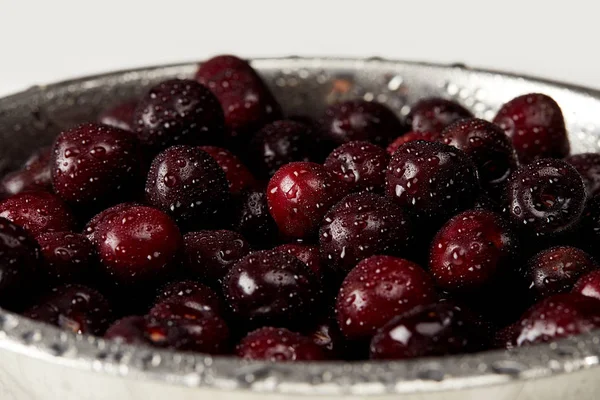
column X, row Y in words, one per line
column 299, row 195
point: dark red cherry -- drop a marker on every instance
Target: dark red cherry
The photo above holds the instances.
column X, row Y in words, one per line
column 435, row 114
column 299, row 195
column 189, row 185
column 35, row 174
column 280, row 143
column 536, row 126
column 545, row 198
column 203, row 333
column 556, row 317
column 556, row 270
column 95, row 165
column 67, row 257
column 359, row 165
column 120, row 116
column 309, row 255
column 91, row 227
column 254, row 221
column 412, row 136
column 182, row 289
column 472, row 250
column 75, row 308
column 178, row 111
column 363, row 225
column 185, row 298
column 434, row 330
column 278, row 344
column 272, row 287
column 360, row 120
column 431, row 180
column 378, row 289
column 588, row 166
column 209, row 255
column 145, row 331
column 202, row 301
column 239, row 177
column 246, row 101
column 19, row 260
column 489, row 148
column 589, row 285
column 38, row 212
column 208, row 335
column 138, row 244
column 198, row 314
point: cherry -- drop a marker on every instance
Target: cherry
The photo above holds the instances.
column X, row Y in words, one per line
column 144, row 330
column 120, row 116
column 19, row 260
column 545, row 198
column 36, row 174
column 433, row 330
column 472, row 250
column 278, row 344
column 489, row 148
column 238, row 176
column 536, row 126
column 377, row 289
column 178, row 111
column 412, row 136
column 189, row 185
column 138, row 244
column 280, row 143
column 299, row 195
column 183, row 289
column 76, row 308
column 272, row 287
column 209, row 335
column 556, row 317
column 254, row 221
column 362, row 225
column 589, row 285
column 435, row 114
column 431, row 180
column 67, row 257
column 588, row 166
column 187, row 300
column 209, row 255
column 247, row 102
column 94, row 165
column 360, row 120
column 309, row 255
column 359, row 165
column 91, row 227
column 557, row 269
column 199, row 315
column 38, row 212
column 203, row 333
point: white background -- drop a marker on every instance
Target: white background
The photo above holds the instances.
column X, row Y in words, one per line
column 47, row 40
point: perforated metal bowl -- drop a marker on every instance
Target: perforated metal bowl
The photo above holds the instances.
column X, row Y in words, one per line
column 42, row 362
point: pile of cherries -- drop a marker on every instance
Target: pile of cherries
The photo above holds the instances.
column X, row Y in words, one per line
column 199, row 218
